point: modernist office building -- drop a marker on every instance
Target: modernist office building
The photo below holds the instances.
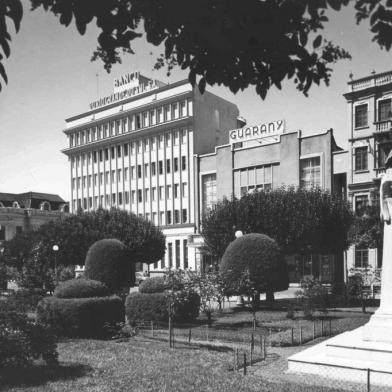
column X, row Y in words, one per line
column 369, row 104
column 25, row 211
column 134, row 150
column 267, row 156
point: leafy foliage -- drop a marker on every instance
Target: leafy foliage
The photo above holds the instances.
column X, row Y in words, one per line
column 299, row 220
column 31, row 254
column 107, row 261
column 81, row 288
column 210, row 287
column 142, row 307
column 22, row 341
column 367, row 228
column 313, row 295
column 223, row 41
column 156, row 284
column 254, row 264
column 81, row 317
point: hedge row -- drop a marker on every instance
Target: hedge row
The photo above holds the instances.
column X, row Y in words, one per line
column 81, row 317
column 143, row 307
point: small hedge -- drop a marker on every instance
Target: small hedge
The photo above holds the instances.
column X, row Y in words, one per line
column 81, row 288
column 155, row 284
column 143, row 307
column 81, row 317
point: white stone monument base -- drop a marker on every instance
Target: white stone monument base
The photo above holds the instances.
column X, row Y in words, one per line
column 347, row 357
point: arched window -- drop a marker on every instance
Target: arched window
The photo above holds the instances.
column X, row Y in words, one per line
column 15, row 204
column 45, row 206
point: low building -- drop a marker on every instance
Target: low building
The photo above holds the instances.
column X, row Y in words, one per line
column 267, row 156
column 26, row 211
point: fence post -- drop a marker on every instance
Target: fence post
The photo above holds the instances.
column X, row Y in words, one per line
column 170, row 333
column 254, row 324
column 292, row 336
column 314, row 330
column 190, row 335
column 265, row 349
column 330, row 327
column 368, row 380
column 300, row 336
column 252, row 341
column 237, row 358
column 322, row 328
column 207, row 332
column 251, row 357
column 270, row 336
column 244, row 364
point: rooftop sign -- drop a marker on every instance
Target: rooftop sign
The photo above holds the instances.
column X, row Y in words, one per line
column 127, row 86
column 255, row 132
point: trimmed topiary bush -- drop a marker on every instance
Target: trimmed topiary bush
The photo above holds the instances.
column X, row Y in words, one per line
column 254, row 263
column 81, row 288
column 107, row 261
column 156, row 284
column 81, row 317
column 142, row 307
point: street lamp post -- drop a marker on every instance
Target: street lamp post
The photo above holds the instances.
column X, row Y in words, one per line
column 55, row 250
column 240, row 298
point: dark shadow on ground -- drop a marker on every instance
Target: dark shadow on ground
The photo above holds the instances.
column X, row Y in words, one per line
column 40, row 374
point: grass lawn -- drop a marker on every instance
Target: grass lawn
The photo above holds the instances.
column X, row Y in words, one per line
column 143, row 364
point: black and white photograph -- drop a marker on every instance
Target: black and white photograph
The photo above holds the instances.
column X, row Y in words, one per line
column 195, row 195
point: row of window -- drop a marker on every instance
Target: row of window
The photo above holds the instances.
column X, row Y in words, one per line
column 165, row 218
column 133, row 122
column 147, row 195
column 138, row 171
column 361, row 156
column 114, row 152
column 361, row 113
column 175, row 260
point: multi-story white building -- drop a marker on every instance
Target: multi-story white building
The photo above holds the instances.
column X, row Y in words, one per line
column 134, row 150
column 370, row 140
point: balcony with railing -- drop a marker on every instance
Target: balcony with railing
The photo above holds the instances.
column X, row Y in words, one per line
column 371, row 81
column 384, row 126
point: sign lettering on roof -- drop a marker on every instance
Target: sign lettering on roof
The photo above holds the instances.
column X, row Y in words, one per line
column 263, row 132
column 126, row 86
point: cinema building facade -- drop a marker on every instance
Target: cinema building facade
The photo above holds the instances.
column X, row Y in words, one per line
column 134, row 150
column 268, row 156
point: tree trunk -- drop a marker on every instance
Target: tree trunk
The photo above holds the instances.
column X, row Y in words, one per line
column 269, row 296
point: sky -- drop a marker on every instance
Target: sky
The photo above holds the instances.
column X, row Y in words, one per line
column 52, row 78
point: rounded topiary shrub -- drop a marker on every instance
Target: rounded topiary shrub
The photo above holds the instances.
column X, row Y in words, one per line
column 81, row 317
column 81, row 288
column 142, row 307
column 254, row 260
column 107, row 261
column 156, row 284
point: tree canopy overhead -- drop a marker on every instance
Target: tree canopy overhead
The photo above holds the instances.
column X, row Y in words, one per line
column 230, row 42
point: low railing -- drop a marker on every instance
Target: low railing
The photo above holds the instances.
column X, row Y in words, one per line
column 383, row 126
column 371, row 81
